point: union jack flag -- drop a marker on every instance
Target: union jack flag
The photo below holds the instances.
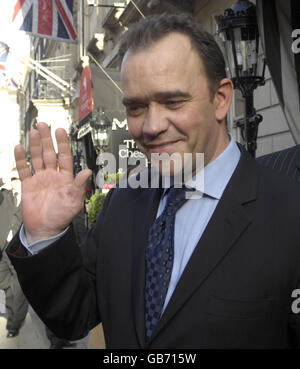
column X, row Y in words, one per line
column 6, row 80
column 46, row 18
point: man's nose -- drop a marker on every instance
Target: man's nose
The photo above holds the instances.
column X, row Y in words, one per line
column 155, row 121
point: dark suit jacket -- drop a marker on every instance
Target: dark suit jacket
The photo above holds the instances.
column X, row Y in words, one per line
column 234, row 293
column 285, row 161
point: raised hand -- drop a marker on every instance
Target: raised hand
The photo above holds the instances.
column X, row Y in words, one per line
column 51, row 197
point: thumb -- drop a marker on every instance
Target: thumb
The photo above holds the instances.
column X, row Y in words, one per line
column 81, row 179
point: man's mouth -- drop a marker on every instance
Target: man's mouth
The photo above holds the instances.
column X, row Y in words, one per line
column 161, row 147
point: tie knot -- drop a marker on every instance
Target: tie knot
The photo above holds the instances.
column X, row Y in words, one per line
column 176, row 193
column 175, row 198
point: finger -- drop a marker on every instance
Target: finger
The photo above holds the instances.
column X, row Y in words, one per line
column 36, row 150
column 49, row 154
column 81, row 179
column 21, row 163
column 65, row 158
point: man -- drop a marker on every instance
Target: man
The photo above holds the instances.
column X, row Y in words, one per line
column 219, row 271
column 10, row 220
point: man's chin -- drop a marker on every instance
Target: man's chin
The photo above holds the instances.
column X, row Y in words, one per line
column 169, row 175
column 172, row 165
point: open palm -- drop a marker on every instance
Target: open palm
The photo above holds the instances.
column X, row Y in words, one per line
column 51, row 197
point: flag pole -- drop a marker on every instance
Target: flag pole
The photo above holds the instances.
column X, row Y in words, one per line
column 103, row 70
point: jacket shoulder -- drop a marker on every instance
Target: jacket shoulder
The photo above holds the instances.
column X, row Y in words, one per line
column 286, row 161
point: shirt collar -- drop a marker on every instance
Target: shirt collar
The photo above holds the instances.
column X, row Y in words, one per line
column 218, row 172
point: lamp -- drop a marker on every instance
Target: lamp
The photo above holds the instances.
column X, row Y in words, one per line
column 101, row 127
column 238, row 30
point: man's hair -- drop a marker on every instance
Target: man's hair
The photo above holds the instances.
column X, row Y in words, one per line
column 145, row 32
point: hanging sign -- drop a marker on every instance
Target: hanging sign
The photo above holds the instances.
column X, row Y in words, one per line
column 85, row 129
column 86, row 102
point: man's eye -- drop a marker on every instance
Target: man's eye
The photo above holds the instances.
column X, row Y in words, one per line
column 134, row 110
column 174, row 103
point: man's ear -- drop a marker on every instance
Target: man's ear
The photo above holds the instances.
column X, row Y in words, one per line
column 222, row 99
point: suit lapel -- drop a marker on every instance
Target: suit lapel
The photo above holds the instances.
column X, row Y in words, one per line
column 228, row 222
column 144, row 213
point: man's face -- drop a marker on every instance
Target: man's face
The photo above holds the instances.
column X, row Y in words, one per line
column 168, row 102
